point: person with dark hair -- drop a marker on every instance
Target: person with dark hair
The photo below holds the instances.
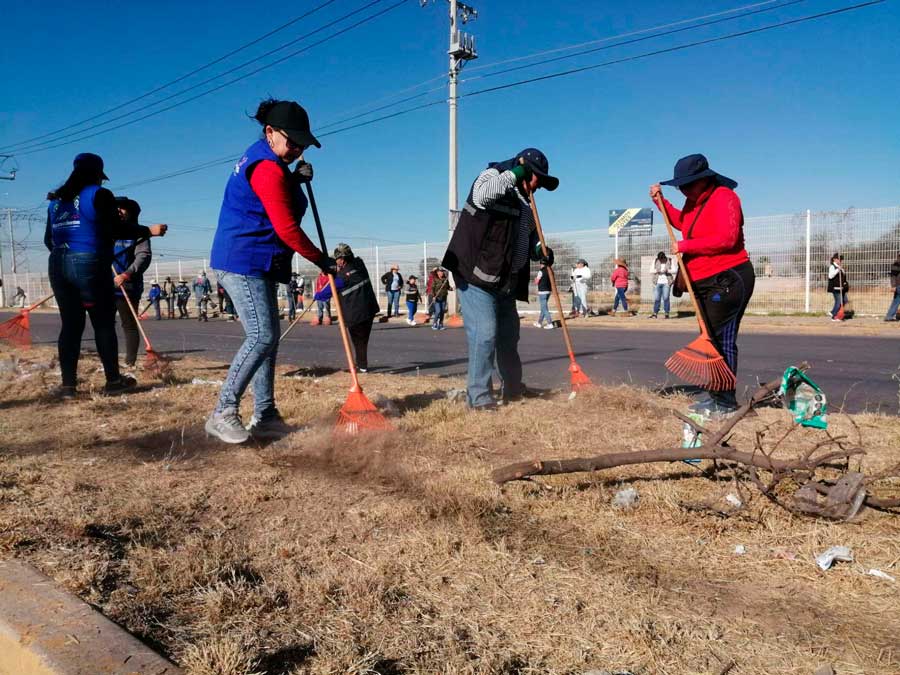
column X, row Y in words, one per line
column 183, row 295
column 131, row 258
column 895, row 286
column 488, row 255
column 838, row 286
column 663, row 278
column 154, row 297
column 83, row 225
column 358, row 302
column 257, row 235
column 542, row 279
column 712, row 249
column 412, row 299
column 439, row 291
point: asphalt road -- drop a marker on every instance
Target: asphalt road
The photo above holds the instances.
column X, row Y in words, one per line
column 856, row 372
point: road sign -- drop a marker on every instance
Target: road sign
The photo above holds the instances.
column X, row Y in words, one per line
column 637, row 222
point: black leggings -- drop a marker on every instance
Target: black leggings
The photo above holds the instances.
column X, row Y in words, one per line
column 723, row 298
column 129, row 327
column 359, row 336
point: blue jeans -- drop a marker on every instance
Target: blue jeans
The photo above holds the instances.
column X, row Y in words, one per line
column 492, row 332
column 323, row 308
column 411, row 309
column 156, row 308
column 292, row 305
column 82, row 283
column 439, row 308
column 620, row 297
column 661, row 294
column 544, row 299
column 895, row 305
column 838, row 298
column 256, row 301
column 393, row 302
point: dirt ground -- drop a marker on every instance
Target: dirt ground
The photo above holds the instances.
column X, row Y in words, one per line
column 394, row 553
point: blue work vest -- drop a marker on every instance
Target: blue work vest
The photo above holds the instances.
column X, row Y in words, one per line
column 74, row 223
column 245, row 241
column 123, row 256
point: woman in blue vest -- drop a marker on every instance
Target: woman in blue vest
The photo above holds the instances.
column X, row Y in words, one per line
column 258, row 232
column 82, row 226
column 131, row 258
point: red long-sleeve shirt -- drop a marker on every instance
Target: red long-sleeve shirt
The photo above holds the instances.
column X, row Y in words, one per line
column 269, row 183
column 716, row 241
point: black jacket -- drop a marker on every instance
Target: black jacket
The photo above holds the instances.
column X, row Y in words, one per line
column 388, row 277
column 358, row 301
column 895, row 273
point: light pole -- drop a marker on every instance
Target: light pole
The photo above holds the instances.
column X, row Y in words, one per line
column 462, row 49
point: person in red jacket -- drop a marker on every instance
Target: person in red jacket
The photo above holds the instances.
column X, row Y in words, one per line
column 619, row 279
column 712, row 247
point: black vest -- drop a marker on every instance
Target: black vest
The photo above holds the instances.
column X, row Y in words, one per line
column 358, row 300
column 481, row 248
column 544, row 281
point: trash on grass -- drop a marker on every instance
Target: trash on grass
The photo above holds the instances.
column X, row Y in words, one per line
column 804, row 399
column 200, row 380
column 734, row 500
column 740, row 549
column 835, row 553
column 625, row 499
column 456, row 395
column 881, row 575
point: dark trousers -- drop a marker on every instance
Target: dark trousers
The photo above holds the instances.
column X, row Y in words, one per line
column 170, row 306
column 82, row 283
column 723, row 298
column 129, row 327
column 359, row 336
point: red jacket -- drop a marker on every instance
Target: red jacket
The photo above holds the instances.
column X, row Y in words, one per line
column 321, row 281
column 619, row 277
column 715, row 242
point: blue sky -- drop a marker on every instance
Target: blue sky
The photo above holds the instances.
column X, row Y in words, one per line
column 803, row 117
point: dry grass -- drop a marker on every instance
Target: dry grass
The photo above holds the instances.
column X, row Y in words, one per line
column 395, row 554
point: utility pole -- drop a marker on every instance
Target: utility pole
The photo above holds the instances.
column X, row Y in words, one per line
column 12, row 246
column 2, row 288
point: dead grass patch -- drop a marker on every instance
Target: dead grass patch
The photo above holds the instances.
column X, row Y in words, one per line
column 394, row 553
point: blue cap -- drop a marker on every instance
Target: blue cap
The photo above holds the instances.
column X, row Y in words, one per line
column 537, row 162
column 90, row 162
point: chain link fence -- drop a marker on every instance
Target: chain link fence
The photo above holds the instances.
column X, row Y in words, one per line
column 790, row 253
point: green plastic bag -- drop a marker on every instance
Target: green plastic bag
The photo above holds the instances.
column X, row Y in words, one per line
column 804, row 399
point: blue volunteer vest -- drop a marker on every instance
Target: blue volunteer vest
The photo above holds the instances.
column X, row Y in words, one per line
column 74, row 223
column 245, row 241
column 123, row 256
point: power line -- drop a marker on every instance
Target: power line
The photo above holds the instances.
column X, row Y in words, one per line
column 564, row 73
column 180, row 78
column 36, row 147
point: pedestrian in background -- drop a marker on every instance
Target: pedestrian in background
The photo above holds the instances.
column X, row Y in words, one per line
column 202, row 287
column 393, row 285
column 168, row 294
column 712, row 249
column 664, row 276
column 358, row 302
column 323, row 307
column 838, row 285
column 131, row 258
column 619, row 279
column 256, row 237
column 581, row 275
column 19, row 298
column 412, row 299
column 83, row 224
column 440, row 290
column 183, row 296
column 154, row 297
column 545, row 320
column 429, row 293
column 895, row 285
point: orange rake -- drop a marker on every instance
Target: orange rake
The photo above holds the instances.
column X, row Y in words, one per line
column 580, row 381
column 358, row 413
column 155, row 363
column 699, row 362
column 17, row 330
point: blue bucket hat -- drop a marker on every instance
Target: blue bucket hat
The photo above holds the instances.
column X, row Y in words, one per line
column 694, row 167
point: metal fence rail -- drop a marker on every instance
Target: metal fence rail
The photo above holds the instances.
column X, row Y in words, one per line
column 790, row 253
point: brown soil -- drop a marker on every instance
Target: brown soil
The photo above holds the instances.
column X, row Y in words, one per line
column 393, row 553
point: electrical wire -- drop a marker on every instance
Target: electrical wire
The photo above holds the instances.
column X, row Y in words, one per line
column 177, row 79
column 49, row 145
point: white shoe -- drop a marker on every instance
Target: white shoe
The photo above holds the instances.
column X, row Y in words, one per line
column 537, row 324
column 549, row 326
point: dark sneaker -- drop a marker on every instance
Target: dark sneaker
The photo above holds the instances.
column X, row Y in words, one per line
column 120, row 386
column 652, row 316
column 227, row 427
column 64, row 392
column 272, row 427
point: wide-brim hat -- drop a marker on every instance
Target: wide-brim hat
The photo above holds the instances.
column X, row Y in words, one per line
column 620, row 261
column 292, row 119
column 694, row 167
column 539, row 165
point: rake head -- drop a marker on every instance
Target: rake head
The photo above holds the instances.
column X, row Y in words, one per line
column 840, row 314
column 158, row 365
column 359, row 414
column 17, row 331
column 580, row 381
column 700, row 363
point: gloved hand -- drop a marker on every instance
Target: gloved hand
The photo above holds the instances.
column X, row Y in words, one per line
column 546, row 259
column 327, row 265
column 303, row 172
column 522, row 172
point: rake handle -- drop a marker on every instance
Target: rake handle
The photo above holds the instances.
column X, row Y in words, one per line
column 345, row 336
column 295, row 322
column 701, row 320
column 25, row 310
column 553, row 286
column 137, row 319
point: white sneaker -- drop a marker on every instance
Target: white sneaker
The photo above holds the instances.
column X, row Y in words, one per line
column 227, row 426
column 549, row 326
column 537, row 324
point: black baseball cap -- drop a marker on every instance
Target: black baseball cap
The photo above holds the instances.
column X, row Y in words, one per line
column 88, row 161
column 291, row 118
column 537, row 162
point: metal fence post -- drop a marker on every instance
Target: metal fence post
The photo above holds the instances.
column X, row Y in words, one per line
column 808, row 238
column 378, row 280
